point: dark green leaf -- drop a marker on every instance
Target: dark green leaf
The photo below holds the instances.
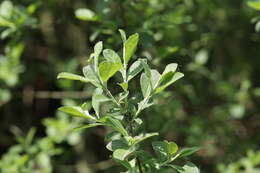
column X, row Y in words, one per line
column 188, row 151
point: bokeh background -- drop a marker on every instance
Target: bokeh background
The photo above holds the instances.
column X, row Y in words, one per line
column 215, row 106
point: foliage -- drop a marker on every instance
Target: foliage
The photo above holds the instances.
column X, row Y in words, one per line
column 35, row 154
column 13, row 21
column 125, row 107
column 250, row 163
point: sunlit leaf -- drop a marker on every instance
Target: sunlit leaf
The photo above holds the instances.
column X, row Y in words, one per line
column 70, row 76
column 130, row 47
column 108, row 69
column 85, row 14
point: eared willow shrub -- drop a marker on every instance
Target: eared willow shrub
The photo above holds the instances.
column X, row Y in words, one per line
column 122, row 112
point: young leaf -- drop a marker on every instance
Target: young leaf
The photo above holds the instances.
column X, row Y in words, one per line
column 88, row 126
column 77, row 112
column 145, row 85
column 70, row 76
column 134, row 69
column 116, row 124
column 108, row 69
column 97, row 50
column 190, row 168
column 111, row 56
column 130, row 47
column 173, row 77
column 85, row 14
column 123, row 35
column 170, row 67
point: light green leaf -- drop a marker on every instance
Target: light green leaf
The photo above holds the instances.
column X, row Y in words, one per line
column 142, row 137
column 70, row 76
column 98, row 98
column 6, row 9
column 164, row 150
column 254, row 4
column 130, row 47
column 155, row 78
column 168, row 79
column 123, row 35
column 91, row 75
column 145, row 85
column 124, row 85
column 97, row 50
column 85, row 14
column 77, row 111
column 116, row 124
column 190, row 168
column 170, row 67
column 108, row 69
column 121, row 154
column 88, row 126
column 134, row 69
column 111, row 56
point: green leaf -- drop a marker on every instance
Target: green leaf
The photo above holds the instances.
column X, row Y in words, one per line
column 88, row 126
column 254, row 4
column 116, row 124
column 134, row 69
column 130, row 47
column 6, row 9
column 167, row 80
column 108, row 69
column 175, row 167
column 124, row 85
column 147, row 69
column 145, row 85
column 70, row 76
column 170, row 67
column 85, row 14
column 121, row 154
column 98, row 98
column 188, row 151
column 97, row 50
column 155, row 78
column 164, row 150
column 190, row 168
column 91, row 75
column 111, row 56
column 117, row 144
column 142, row 137
column 123, row 35
column 76, row 111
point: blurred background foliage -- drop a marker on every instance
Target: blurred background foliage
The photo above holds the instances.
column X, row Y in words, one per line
column 215, row 106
